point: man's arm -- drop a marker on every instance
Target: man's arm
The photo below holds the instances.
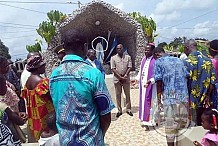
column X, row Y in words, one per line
column 211, row 86
column 103, row 101
column 3, row 87
column 14, row 117
column 159, row 90
column 105, row 121
column 129, row 67
column 119, row 77
column 158, row 78
column 127, row 72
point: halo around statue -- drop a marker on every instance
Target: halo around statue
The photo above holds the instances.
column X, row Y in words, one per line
column 97, row 46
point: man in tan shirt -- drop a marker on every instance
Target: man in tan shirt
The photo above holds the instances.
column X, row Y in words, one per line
column 121, row 65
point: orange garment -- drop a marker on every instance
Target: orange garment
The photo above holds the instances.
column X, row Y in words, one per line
column 39, row 105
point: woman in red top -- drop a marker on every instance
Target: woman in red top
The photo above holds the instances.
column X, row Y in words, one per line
column 36, row 93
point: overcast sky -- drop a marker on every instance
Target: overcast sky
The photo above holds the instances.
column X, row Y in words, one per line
column 175, row 18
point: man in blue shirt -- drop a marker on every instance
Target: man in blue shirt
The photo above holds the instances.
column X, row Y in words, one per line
column 91, row 60
column 80, row 96
column 171, row 76
column 201, row 82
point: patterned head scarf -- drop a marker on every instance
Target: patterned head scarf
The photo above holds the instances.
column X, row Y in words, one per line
column 34, row 62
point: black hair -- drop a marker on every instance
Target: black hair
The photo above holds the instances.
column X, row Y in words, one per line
column 210, row 113
column 158, row 50
column 32, row 70
column 51, row 121
column 2, row 60
column 213, row 48
column 152, row 47
column 214, row 44
column 73, row 39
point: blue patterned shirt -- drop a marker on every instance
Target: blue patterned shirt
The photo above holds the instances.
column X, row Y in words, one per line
column 202, row 74
column 80, row 96
column 172, row 72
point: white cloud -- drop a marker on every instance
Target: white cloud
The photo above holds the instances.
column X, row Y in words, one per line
column 173, row 16
column 168, row 6
column 120, row 6
column 169, row 17
column 162, row 11
column 205, row 28
column 157, row 18
column 171, row 10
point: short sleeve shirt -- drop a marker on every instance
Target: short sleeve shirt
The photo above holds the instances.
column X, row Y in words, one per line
column 121, row 64
column 172, row 72
column 80, row 96
column 202, row 74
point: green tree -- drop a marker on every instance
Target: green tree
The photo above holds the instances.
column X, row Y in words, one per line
column 203, row 48
column 34, row 48
column 4, row 51
column 148, row 25
column 168, row 48
column 47, row 29
column 176, row 42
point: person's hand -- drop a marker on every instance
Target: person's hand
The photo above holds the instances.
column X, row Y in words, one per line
column 123, row 79
column 147, row 83
column 160, row 105
column 206, row 102
column 196, row 143
column 125, row 76
column 133, row 82
column 23, row 116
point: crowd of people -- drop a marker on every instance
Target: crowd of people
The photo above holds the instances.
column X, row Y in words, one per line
column 73, row 106
column 181, row 88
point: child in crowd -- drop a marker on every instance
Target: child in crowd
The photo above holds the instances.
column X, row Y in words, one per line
column 209, row 122
column 51, row 137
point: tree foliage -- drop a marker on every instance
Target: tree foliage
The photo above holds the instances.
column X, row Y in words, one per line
column 177, row 45
column 177, row 42
column 34, row 48
column 168, row 48
column 4, row 51
column 47, row 29
column 148, row 25
column 203, row 48
column 55, row 17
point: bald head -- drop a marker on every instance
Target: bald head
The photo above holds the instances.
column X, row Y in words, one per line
column 91, row 54
column 119, row 50
column 91, row 51
column 190, row 46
